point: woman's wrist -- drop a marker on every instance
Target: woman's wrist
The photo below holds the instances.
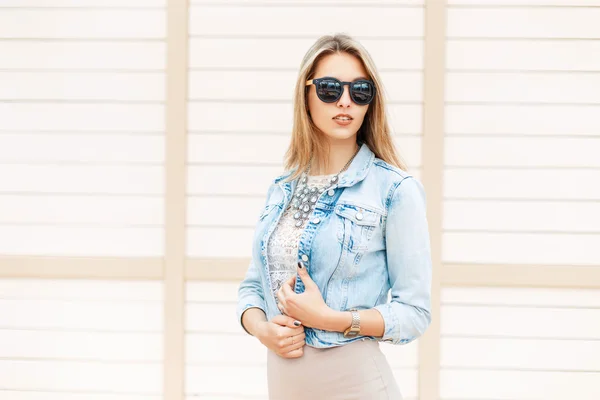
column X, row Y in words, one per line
column 337, row 321
column 252, row 320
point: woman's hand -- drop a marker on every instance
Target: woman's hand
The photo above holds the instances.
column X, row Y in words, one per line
column 308, row 307
column 282, row 336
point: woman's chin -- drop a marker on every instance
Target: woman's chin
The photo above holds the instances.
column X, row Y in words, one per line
column 341, row 133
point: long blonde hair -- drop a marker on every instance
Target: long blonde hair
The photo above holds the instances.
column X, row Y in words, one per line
column 307, row 139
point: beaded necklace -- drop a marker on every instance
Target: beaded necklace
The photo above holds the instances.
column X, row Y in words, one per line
column 305, row 198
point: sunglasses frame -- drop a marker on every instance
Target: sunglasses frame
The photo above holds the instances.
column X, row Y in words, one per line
column 316, row 81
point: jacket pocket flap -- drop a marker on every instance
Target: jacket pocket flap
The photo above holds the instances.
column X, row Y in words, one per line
column 358, row 215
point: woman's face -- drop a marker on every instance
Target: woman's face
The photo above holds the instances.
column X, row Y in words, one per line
column 346, row 68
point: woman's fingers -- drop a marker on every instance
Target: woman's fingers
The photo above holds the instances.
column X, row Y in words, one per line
column 294, row 353
column 291, row 282
column 286, row 291
column 282, row 301
column 282, row 309
column 292, row 342
column 293, row 347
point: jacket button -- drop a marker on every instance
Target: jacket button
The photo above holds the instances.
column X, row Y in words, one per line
column 331, row 192
column 316, row 220
column 304, row 257
column 359, row 216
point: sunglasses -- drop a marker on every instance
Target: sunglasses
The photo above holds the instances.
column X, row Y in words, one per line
column 329, row 90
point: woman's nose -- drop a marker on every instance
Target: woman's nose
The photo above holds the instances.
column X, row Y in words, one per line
column 345, row 100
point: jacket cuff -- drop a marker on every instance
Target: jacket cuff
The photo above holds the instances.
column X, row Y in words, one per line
column 392, row 332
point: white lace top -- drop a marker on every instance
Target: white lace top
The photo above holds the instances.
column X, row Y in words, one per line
column 282, row 249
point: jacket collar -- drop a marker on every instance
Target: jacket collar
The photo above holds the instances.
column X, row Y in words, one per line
column 356, row 172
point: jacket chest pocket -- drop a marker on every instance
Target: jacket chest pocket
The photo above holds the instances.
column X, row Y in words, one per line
column 355, row 225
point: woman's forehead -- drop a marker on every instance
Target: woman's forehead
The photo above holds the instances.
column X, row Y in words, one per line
column 344, row 67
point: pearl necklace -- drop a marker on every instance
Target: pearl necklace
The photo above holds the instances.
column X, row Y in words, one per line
column 305, row 198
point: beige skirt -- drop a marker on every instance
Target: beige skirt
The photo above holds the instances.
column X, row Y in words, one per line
column 356, row 371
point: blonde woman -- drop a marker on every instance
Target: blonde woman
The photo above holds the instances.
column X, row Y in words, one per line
column 343, row 227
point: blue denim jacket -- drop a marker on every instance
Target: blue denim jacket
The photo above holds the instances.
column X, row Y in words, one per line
column 366, row 236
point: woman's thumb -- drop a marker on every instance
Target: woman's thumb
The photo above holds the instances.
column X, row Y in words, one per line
column 306, row 279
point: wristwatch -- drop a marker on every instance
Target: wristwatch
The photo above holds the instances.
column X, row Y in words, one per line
column 354, row 329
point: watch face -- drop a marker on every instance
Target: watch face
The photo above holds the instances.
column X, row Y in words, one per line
column 351, row 333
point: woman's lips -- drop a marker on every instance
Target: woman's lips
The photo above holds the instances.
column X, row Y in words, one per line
column 342, row 122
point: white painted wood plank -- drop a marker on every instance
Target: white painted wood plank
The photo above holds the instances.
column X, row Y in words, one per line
column 82, row 117
column 221, row 350
column 309, row 2
column 533, row 55
column 518, row 385
column 225, row 211
column 49, row 178
column 521, row 322
column 83, row 346
column 35, row 55
column 140, row 378
column 75, row 86
column 240, row 117
column 248, row 148
column 268, row 149
column 79, row 315
column 540, row 87
column 92, row 241
column 524, row 22
column 221, row 316
column 83, row 23
column 521, row 248
column 519, row 216
column 525, row 2
column 84, row 3
column 565, row 355
column 244, row 180
column 242, row 52
column 278, row 117
column 92, row 210
column 575, row 297
column 220, row 396
column 81, row 147
column 518, row 119
column 217, row 242
column 401, row 357
column 279, row 85
column 211, row 291
column 408, row 382
column 26, row 395
column 207, row 381
column 81, row 289
column 547, row 184
column 522, row 152
column 392, row 21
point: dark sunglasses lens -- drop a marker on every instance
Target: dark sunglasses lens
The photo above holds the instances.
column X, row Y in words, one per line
column 362, row 92
column 329, row 90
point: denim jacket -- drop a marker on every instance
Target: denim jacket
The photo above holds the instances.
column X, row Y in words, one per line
column 367, row 236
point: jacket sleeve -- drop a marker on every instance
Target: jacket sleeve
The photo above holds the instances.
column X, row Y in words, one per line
column 250, row 291
column 408, row 314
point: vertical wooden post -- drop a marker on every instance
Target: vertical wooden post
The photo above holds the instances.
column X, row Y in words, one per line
column 175, row 198
column 433, row 171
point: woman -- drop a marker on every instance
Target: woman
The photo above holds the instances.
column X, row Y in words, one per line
column 345, row 225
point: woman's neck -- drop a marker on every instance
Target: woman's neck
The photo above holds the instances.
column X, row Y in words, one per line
column 339, row 155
